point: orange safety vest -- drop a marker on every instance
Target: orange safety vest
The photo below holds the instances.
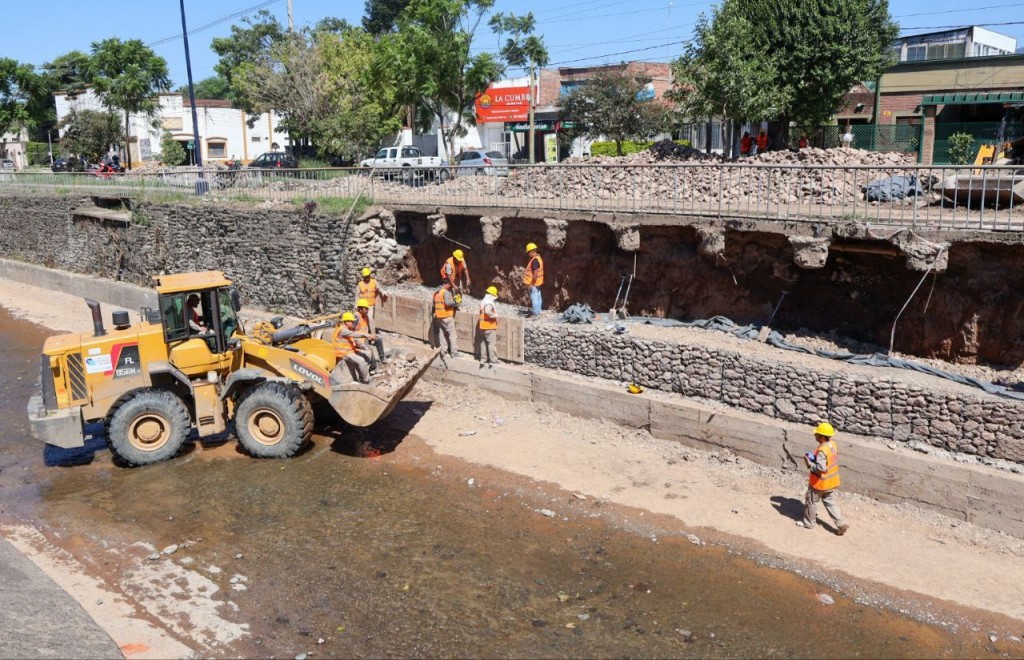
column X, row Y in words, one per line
column 745, row 145
column 441, row 310
column 457, row 269
column 528, row 277
column 362, row 323
column 342, row 345
column 802, row 144
column 762, row 141
column 829, row 479
column 368, row 290
column 487, row 322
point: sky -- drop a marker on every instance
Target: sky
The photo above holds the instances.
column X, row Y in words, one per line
column 576, row 32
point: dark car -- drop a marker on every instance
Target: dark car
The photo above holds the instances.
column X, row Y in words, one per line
column 275, row 159
column 71, row 164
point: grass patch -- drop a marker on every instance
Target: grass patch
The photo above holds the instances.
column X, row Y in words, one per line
column 335, row 205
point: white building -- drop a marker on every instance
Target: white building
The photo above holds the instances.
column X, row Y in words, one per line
column 224, row 132
column 14, row 145
column 972, row 41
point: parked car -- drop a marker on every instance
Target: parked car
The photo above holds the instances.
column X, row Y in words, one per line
column 480, row 162
column 273, row 159
column 7, row 164
column 71, row 164
column 407, row 162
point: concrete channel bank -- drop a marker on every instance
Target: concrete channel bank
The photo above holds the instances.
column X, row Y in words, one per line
column 886, row 470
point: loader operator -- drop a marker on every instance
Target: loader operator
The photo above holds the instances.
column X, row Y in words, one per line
column 456, row 271
column 195, row 320
column 348, row 349
column 368, row 289
column 444, row 320
column 364, row 324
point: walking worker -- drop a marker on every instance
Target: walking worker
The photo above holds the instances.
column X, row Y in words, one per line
column 488, row 328
column 745, row 143
column 762, row 141
column 364, row 323
column 444, row 320
column 534, row 278
column 823, row 463
column 368, row 289
column 455, row 270
column 347, row 347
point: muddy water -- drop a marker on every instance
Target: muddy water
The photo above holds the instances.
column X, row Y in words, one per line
column 374, row 545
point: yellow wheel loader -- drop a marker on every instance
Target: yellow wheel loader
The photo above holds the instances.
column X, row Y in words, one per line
column 189, row 364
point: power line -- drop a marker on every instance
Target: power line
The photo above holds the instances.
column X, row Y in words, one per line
column 223, row 19
column 624, row 52
column 960, row 27
column 958, row 11
column 620, row 13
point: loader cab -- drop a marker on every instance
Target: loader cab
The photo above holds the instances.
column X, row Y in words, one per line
column 212, row 347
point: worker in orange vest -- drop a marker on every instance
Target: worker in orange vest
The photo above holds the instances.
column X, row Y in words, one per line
column 444, row 320
column 488, row 326
column 455, row 270
column 368, row 289
column 364, row 324
column 762, row 141
column 745, row 143
column 823, row 463
column 802, row 142
column 348, row 349
column 534, row 278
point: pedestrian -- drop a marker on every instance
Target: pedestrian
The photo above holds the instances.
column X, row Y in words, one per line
column 348, row 349
column 444, row 320
column 534, row 278
column 745, row 143
column 364, row 323
column 763, row 142
column 455, row 270
column 802, row 142
column 488, row 328
column 823, row 463
column 847, row 138
column 368, row 289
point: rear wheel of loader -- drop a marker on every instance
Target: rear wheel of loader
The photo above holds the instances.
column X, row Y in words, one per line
column 273, row 420
column 149, row 427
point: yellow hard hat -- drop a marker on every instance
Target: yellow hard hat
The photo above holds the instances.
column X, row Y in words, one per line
column 367, row 271
column 363, row 302
column 348, row 316
column 825, row 429
column 633, row 388
column 493, row 290
column 531, row 246
column 458, row 255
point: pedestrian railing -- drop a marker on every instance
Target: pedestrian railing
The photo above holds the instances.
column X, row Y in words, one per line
column 939, row 197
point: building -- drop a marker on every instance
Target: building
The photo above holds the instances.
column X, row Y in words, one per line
column 224, row 132
column 974, row 41
column 14, row 145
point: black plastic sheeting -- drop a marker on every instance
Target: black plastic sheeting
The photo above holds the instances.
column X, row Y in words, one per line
column 892, row 188
column 775, row 339
column 578, row 313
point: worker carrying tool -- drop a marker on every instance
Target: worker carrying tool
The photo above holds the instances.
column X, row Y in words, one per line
column 349, row 348
column 444, row 320
column 823, row 463
column 534, row 278
column 456, row 271
column 364, row 323
column 368, row 289
column 488, row 326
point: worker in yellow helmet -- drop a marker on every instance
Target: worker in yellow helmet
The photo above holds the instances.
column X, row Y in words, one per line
column 455, row 270
column 364, row 324
column 488, row 326
column 533, row 278
column 368, row 289
column 348, row 348
column 823, row 463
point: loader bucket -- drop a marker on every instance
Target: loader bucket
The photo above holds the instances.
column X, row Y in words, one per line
column 362, row 405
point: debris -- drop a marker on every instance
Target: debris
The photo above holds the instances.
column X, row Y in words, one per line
column 154, row 556
column 170, row 550
column 471, row 482
column 570, row 625
column 825, row 599
column 320, row 640
column 466, row 434
column 239, row 556
column 578, row 313
column 579, row 496
column 301, row 656
column 693, row 538
column 546, row 512
column 583, row 617
column 563, row 597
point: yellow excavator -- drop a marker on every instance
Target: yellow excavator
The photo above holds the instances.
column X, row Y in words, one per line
column 189, row 364
column 997, row 177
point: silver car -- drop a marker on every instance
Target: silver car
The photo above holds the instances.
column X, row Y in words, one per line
column 7, row 164
column 480, row 162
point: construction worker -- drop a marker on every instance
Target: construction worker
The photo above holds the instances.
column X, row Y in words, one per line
column 368, row 289
column 763, row 142
column 488, row 326
column 802, row 142
column 364, row 323
column 823, row 463
column 745, row 143
column 444, row 319
column 534, row 278
column 454, row 270
column 348, row 349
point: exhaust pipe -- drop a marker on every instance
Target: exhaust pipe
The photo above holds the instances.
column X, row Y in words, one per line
column 97, row 318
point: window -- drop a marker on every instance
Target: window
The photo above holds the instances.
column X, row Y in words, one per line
column 946, row 51
column 228, row 318
column 383, row 153
column 172, row 309
column 216, row 150
column 916, row 53
column 495, row 154
column 410, row 152
column 256, row 138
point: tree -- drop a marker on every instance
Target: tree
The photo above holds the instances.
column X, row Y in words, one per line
column 381, row 16
column 68, row 73
column 18, row 87
column 171, row 151
column 127, row 75
column 522, row 49
column 247, row 46
column 609, row 105
column 89, row 134
column 722, row 74
column 214, row 87
column 431, row 52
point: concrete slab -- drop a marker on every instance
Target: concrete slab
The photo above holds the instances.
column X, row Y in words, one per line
column 590, row 399
column 505, row 380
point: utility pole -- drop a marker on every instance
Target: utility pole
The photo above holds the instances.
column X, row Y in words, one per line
column 49, row 142
column 532, row 99
column 291, row 23
column 202, row 185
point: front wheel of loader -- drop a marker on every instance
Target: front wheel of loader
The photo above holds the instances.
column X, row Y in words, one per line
column 273, row 420
column 149, row 427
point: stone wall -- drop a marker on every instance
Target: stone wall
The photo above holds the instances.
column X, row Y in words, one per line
column 890, row 404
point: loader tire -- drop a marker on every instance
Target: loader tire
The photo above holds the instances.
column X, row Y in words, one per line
column 273, row 420
column 148, row 427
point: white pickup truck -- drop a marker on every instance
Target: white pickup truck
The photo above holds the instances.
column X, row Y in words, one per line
column 408, row 163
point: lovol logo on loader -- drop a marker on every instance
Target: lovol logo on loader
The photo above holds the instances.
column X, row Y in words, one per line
column 308, row 374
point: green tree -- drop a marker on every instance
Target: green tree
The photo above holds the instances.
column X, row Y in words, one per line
column 432, row 54
column 89, row 134
column 248, row 45
column 127, row 75
column 214, row 87
column 68, row 73
column 722, row 74
column 961, row 148
column 380, row 16
column 18, row 88
column 171, row 151
column 609, row 105
column 522, row 49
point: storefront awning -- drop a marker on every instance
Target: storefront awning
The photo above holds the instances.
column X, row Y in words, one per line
column 971, row 99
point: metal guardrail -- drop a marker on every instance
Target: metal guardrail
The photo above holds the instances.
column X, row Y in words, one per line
column 967, row 198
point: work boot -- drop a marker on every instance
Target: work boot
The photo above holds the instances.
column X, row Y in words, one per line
column 801, row 523
column 842, row 529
